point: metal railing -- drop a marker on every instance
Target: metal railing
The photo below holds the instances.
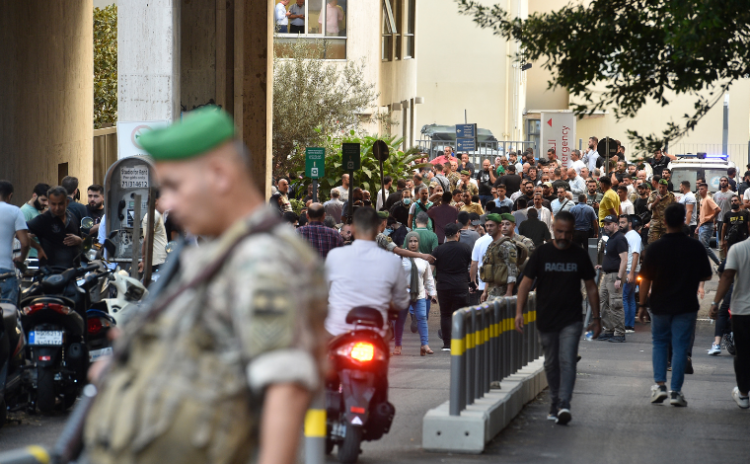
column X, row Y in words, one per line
column 485, row 150
column 486, row 348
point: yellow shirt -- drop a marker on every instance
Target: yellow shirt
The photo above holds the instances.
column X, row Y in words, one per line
column 473, row 208
column 610, row 201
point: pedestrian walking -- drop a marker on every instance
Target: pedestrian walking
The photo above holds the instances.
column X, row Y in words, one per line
column 421, row 287
column 630, row 225
column 672, row 270
column 559, row 267
column 452, row 261
column 498, row 269
column 707, row 213
column 587, row 224
column 613, row 265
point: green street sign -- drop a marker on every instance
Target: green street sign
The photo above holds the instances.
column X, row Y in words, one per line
column 315, row 164
column 350, row 157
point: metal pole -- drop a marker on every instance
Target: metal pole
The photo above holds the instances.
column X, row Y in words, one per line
column 148, row 258
column 580, row 144
column 315, row 431
column 351, row 195
column 136, row 237
column 725, row 131
column 315, row 190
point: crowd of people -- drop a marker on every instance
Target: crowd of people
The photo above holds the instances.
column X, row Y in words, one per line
column 467, row 234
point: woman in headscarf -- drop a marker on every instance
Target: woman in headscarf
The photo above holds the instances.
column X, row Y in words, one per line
column 420, row 285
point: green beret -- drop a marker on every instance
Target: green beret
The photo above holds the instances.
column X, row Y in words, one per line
column 508, row 217
column 494, row 217
column 383, row 215
column 465, row 173
column 663, row 181
column 199, row 132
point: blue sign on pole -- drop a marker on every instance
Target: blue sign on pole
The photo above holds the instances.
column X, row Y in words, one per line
column 464, row 144
column 466, row 131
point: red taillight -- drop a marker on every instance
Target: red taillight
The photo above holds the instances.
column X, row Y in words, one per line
column 95, row 325
column 29, row 310
column 357, row 410
column 45, row 358
column 362, row 352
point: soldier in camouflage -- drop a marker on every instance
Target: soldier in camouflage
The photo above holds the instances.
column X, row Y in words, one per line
column 508, row 229
column 221, row 368
column 501, row 252
column 657, row 203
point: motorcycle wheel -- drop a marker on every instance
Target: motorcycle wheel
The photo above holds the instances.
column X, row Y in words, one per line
column 45, row 390
column 349, row 448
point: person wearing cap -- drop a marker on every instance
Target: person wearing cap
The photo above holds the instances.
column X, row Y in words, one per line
column 613, row 266
column 658, row 201
column 498, row 268
column 508, row 229
column 236, row 324
column 453, row 260
column 467, row 184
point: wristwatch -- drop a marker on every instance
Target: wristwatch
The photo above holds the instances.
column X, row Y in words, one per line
column 714, row 304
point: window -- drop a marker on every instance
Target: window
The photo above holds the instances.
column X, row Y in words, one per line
column 321, row 23
column 533, row 132
column 398, row 15
column 411, row 27
column 389, row 31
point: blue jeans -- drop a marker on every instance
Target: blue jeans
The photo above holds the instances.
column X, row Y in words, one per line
column 704, row 235
column 628, row 303
column 9, row 289
column 560, row 351
column 484, row 199
column 419, row 309
column 678, row 329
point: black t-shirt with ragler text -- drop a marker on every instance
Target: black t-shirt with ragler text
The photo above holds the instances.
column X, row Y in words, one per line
column 559, row 274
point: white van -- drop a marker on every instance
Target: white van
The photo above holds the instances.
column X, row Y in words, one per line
column 690, row 168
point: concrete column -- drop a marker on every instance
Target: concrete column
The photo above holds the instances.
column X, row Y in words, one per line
column 253, row 86
column 46, row 92
column 148, row 60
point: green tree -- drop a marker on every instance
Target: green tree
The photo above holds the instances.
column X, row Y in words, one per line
column 398, row 165
column 313, row 99
column 105, row 66
column 640, row 50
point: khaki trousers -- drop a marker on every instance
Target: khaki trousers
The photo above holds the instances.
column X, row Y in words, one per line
column 612, row 312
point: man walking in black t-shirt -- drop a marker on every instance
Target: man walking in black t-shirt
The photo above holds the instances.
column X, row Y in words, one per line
column 672, row 270
column 559, row 268
column 736, row 225
column 610, row 294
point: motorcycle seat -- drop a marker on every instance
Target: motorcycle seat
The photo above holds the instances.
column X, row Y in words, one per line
column 364, row 315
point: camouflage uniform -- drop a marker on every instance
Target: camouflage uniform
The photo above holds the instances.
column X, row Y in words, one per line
column 453, row 178
column 190, row 389
column 506, row 252
column 385, row 242
column 658, row 227
column 471, row 188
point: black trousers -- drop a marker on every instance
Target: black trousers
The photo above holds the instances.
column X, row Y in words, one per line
column 581, row 238
column 450, row 301
column 741, row 329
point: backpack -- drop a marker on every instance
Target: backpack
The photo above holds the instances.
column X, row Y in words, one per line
column 494, row 269
column 522, row 254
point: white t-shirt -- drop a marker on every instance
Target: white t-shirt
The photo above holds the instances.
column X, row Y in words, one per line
column 738, row 259
column 634, row 246
column 578, row 165
column 160, row 238
column 627, row 207
column 11, row 220
column 480, row 248
column 689, row 199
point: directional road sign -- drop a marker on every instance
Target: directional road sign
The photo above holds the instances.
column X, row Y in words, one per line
column 466, row 144
column 315, row 162
column 468, row 131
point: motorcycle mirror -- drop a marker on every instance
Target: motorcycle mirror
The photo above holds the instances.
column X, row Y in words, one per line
column 87, row 223
column 113, row 234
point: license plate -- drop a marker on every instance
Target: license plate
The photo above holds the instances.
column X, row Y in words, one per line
column 96, row 354
column 47, row 337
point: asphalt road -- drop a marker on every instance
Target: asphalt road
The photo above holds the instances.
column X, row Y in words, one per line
column 613, row 421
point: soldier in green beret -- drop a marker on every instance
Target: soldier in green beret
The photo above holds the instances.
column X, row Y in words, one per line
column 221, row 365
column 524, row 245
column 466, row 185
column 498, row 269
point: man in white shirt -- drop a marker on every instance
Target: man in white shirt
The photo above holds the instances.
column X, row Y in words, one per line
column 477, row 257
column 577, row 164
column 282, row 17
column 159, row 249
column 576, row 182
column 626, row 206
column 561, row 203
column 592, row 154
column 691, row 206
column 381, row 201
column 363, row 274
column 630, row 225
column 545, row 215
column 12, row 224
column 344, row 188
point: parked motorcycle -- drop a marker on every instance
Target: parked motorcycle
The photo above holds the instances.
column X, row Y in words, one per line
column 357, row 398
column 13, row 392
column 54, row 319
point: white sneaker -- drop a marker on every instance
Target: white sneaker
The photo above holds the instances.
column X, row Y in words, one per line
column 715, row 350
column 659, row 393
column 742, row 401
column 677, row 399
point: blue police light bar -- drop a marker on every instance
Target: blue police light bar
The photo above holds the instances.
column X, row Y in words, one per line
column 703, row 155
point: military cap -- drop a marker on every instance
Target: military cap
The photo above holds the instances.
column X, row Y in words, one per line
column 199, row 132
column 663, row 181
column 508, row 217
column 383, row 215
column 465, row 173
column 494, row 217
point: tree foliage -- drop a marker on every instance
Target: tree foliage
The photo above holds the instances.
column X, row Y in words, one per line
column 105, row 66
column 640, row 50
column 312, row 100
column 398, row 165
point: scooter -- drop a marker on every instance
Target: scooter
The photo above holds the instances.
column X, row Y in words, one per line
column 357, row 398
column 13, row 392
